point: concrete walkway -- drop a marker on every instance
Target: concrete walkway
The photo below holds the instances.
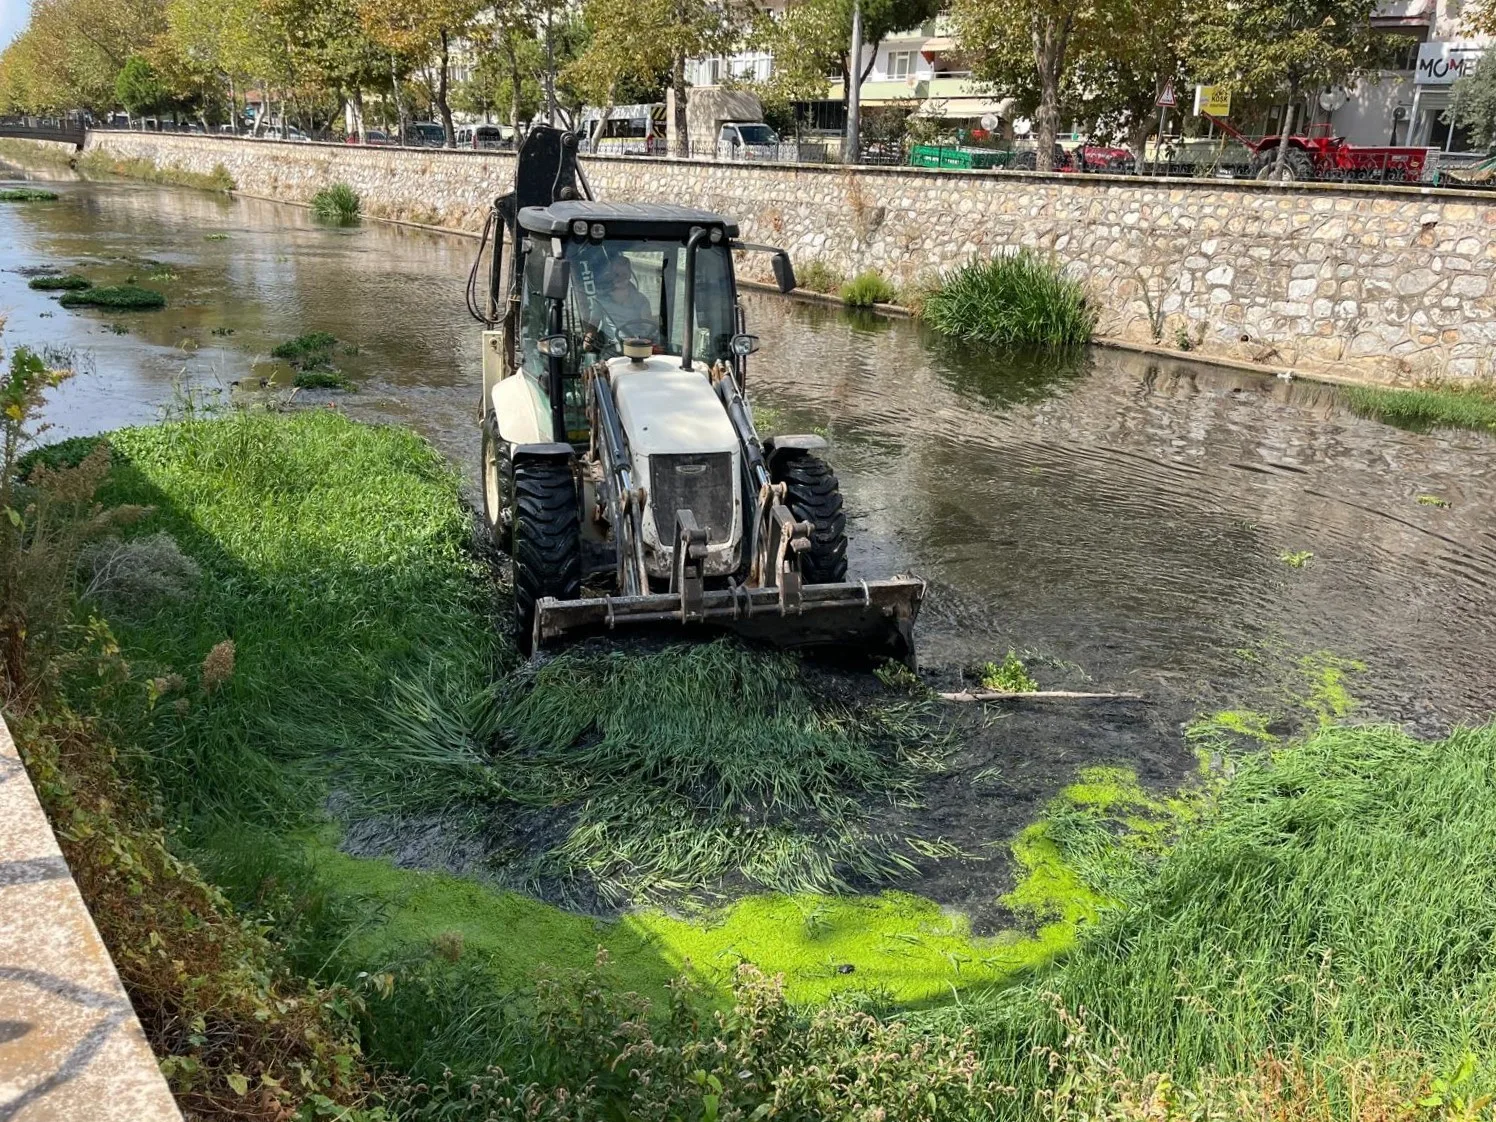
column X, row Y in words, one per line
column 70, row 1046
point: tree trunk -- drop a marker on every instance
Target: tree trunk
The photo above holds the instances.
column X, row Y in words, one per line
column 1280, row 157
column 515, row 80
column 1050, row 39
column 679, row 140
column 444, row 63
column 1137, row 138
column 399, row 103
column 358, row 115
column 1047, row 132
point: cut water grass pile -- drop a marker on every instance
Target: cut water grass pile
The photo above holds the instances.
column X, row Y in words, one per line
column 310, row 356
column 67, row 282
column 671, row 772
column 121, row 297
column 336, row 203
column 1309, row 933
column 1435, row 404
column 1013, row 299
column 1011, row 676
column 27, row 195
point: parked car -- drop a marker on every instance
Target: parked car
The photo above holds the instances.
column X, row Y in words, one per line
column 1097, row 158
column 371, row 137
column 425, row 134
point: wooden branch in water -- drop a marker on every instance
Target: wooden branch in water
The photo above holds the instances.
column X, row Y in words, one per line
column 1037, row 695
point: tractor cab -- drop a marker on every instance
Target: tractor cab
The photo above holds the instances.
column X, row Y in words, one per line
column 595, row 278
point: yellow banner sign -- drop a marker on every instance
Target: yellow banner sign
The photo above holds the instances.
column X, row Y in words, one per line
column 1212, row 101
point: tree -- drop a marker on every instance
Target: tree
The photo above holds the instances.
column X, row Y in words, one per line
column 1473, row 104
column 812, row 42
column 137, row 89
column 72, row 51
column 632, row 40
column 1290, row 47
column 1115, row 88
column 1025, row 47
column 423, row 33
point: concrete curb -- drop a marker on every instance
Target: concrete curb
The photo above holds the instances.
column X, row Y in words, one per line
column 71, row 1048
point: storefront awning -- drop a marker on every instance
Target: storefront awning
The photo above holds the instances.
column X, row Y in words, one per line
column 967, row 108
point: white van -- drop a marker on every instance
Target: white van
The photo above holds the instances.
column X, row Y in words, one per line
column 630, row 130
column 747, row 140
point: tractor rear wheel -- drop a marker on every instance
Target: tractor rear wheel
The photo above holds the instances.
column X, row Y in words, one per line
column 545, row 546
column 813, row 494
column 1296, row 165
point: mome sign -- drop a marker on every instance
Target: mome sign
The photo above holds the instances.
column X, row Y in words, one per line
column 1440, row 64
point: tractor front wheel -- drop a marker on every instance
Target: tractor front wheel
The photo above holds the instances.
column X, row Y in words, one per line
column 495, row 468
column 813, row 494
column 545, row 545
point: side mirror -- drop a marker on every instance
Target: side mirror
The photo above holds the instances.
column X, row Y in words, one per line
column 557, row 277
column 784, row 272
column 744, row 345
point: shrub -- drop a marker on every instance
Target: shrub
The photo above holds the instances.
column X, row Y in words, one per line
column 867, row 288
column 114, row 296
column 1019, row 298
column 137, row 574
column 68, row 282
column 606, row 1054
column 817, row 276
column 337, row 203
column 27, row 195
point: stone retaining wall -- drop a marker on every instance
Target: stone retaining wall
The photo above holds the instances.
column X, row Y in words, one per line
column 1377, row 284
column 71, row 1049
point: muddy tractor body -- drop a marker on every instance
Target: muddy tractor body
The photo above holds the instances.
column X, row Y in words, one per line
column 622, row 471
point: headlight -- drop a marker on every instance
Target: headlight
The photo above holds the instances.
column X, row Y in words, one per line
column 716, row 234
column 579, row 227
column 556, row 346
column 598, row 231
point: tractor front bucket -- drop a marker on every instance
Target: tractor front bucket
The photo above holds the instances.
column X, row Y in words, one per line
column 875, row 617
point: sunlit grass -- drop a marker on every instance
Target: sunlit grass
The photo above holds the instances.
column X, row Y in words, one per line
column 1019, row 298
column 1435, row 404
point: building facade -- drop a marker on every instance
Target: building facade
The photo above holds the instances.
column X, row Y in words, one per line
column 1403, row 105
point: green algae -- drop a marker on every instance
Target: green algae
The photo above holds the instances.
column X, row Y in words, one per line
column 511, row 934
column 904, row 948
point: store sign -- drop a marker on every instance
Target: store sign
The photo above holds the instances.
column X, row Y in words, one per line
column 1212, row 101
column 1441, row 64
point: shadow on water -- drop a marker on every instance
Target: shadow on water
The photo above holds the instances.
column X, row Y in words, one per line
column 999, row 377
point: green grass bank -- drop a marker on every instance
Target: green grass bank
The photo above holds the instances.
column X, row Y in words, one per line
column 258, row 645
column 1429, row 406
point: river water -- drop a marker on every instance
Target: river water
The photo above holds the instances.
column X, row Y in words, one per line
column 1120, row 519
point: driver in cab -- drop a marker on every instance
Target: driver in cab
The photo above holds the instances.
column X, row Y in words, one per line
column 618, row 303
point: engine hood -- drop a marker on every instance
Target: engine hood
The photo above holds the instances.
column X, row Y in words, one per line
column 664, row 409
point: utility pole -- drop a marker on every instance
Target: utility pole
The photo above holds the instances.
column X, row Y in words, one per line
column 853, row 152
